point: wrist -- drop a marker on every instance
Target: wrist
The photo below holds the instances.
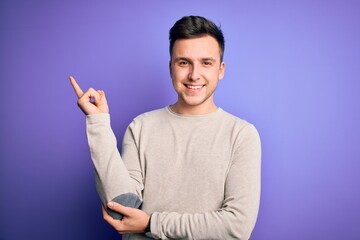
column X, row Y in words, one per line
column 148, row 226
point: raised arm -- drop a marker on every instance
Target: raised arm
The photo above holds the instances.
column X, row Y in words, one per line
column 113, row 182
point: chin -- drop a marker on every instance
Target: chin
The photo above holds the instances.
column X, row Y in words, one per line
column 194, row 103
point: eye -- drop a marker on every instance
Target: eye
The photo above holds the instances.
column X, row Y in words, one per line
column 183, row 63
column 207, row 63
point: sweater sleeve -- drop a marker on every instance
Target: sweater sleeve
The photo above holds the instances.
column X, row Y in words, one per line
column 237, row 216
column 113, row 181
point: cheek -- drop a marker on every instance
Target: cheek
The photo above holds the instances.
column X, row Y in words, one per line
column 212, row 75
column 176, row 80
column 179, row 75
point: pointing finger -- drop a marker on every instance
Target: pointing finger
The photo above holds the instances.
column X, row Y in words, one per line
column 76, row 87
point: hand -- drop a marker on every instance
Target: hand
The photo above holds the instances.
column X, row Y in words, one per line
column 134, row 220
column 99, row 103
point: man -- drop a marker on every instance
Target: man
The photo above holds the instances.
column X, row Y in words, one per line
column 187, row 171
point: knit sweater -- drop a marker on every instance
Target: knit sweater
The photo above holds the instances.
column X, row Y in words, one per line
column 198, row 175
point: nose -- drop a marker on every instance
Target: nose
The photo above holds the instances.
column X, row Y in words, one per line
column 194, row 74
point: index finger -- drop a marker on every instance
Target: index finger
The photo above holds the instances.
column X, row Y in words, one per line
column 76, row 87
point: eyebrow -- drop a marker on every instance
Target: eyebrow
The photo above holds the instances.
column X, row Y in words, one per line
column 181, row 59
column 209, row 59
column 189, row 60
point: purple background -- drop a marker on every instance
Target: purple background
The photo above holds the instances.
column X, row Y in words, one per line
column 293, row 70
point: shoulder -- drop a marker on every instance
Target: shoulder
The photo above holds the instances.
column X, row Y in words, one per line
column 239, row 125
column 235, row 120
column 150, row 117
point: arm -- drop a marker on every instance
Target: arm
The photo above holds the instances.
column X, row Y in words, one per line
column 237, row 216
column 234, row 220
column 113, row 182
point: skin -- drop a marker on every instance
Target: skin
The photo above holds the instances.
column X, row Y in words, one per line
column 195, row 70
column 134, row 220
column 92, row 101
column 196, row 63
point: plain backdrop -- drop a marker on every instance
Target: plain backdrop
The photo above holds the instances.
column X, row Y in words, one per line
column 293, row 70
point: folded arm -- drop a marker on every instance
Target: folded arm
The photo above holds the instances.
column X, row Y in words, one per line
column 234, row 220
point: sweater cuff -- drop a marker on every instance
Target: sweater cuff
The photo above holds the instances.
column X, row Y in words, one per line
column 98, row 118
column 155, row 225
column 150, row 227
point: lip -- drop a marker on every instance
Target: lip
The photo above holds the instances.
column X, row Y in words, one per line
column 195, row 87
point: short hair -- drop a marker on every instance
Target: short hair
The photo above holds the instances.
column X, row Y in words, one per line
column 193, row 27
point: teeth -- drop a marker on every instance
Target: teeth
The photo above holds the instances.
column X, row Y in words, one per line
column 194, row 87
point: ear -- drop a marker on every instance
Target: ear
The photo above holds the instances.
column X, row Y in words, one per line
column 222, row 70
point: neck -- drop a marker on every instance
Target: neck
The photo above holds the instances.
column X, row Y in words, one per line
column 193, row 110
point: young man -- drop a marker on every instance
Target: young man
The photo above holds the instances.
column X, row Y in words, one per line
column 187, row 171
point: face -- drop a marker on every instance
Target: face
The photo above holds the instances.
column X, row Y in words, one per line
column 195, row 70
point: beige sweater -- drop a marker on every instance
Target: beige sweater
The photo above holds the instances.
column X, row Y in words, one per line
column 199, row 176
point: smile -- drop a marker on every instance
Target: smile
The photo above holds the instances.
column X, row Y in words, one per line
column 193, row 87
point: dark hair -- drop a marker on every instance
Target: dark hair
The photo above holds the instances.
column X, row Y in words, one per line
column 194, row 27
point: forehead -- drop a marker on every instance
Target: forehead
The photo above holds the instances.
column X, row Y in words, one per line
column 202, row 47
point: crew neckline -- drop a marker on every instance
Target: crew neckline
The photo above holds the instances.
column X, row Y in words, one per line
column 171, row 112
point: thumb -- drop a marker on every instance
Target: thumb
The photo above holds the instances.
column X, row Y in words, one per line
column 119, row 208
